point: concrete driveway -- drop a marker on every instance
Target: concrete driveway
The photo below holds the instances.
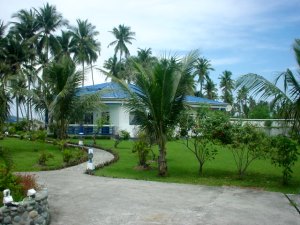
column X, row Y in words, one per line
column 79, row 199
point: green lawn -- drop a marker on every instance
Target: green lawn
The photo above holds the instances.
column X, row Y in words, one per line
column 183, row 168
column 25, row 154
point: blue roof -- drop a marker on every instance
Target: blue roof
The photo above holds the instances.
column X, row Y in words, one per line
column 113, row 91
column 108, row 90
column 199, row 100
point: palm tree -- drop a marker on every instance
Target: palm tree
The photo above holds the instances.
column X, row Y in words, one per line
column 18, row 91
column 63, row 80
column 123, row 35
column 242, row 100
column 210, row 89
column 160, row 99
column 87, row 47
column 4, row 98
column 66, row 45
column 202, row 68
column 288, row 99
column 226, row 85
column 27, row 26
column 48, row 20
column 111, row 65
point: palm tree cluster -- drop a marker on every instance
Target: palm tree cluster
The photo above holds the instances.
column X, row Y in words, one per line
column 38, row 67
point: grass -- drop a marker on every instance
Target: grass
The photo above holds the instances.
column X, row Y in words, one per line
column 183, row 168
column 25, row 154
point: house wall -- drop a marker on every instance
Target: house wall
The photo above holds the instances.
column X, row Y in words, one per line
column 119, row 118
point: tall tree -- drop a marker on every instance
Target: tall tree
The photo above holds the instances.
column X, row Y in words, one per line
column 48, row 20
column 66, row 45
column 210, row 89
column 112, row 66
column 63, row 81
column 227, row 86
column 27, row 26
column 242, row 102
column 160, row 99
column 4, row 98
column 202, row 69
column 123, row 35
column 87, row 47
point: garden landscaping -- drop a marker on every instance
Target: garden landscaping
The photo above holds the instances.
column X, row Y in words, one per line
column 183, row 168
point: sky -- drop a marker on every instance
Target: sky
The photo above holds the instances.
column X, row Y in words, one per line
column 242, row 36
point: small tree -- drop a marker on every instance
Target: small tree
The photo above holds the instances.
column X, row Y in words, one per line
column 248, row 144
column 207, row 127
column 203, row 149
column 284, row 154
column 142, row 148
column 123, row 135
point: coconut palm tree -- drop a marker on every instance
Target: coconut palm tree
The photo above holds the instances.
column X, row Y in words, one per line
column 66, row 45
column 202, row 68
column 18, row 91
column 112, row 66
column 63, row 80
column 4, row 98
column 226, row 85
column 242, row 101
column 48, row 20
column 87, row 47
column 210, row 89
column 123, row 35
column 288, row 99
column 160, row 98
column 27, row 26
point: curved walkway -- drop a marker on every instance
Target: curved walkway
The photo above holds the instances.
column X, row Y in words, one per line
column 79, row 199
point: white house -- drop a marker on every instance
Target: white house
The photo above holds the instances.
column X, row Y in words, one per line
column 115, row 113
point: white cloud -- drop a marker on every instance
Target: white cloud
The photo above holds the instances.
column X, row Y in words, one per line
column 179, row 26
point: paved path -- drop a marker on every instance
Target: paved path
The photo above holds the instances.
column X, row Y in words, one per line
column 79, row 199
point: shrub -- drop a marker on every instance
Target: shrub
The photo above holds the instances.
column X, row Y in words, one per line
column 67, row 156
column 27, row 181
column 44, row 158
column 38, row 135
column 22, row 125
column 62, row 144
column 10, row 181
column 74, row 156
column 12, row 130
column 248, row 144
column 142, row 148
column 7, row 159
column 284, row 154
column 122, row 136
column 7, row 179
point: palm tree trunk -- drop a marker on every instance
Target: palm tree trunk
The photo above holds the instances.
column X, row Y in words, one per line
column 200, row 92
column 162, row 162
column 92, row 74
column 82, row 74
column 17, row 108
column 22, row 114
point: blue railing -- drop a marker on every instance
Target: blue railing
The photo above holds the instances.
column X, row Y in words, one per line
column 90, row 129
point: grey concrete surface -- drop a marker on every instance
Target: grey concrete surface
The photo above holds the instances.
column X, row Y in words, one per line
column 79, row 199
